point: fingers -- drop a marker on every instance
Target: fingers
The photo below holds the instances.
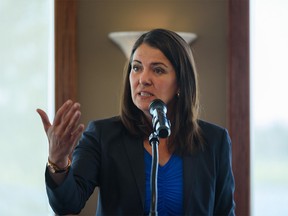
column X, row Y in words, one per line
column 71, row 117
column 45, row 119
column 66, row 123
column 67, row 115
column 72, row 120
column 62, row 112
column 75, row 135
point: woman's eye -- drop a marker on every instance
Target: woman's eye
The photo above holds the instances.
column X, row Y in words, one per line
column 135, row 68
column 159, row 70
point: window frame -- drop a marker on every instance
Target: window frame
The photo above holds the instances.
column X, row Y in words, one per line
column 239, row 100
column 65, row 51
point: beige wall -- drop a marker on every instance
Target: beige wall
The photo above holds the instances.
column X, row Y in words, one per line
column 101, row 61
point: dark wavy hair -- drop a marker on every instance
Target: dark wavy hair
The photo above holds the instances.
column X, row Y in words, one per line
column 186, row 135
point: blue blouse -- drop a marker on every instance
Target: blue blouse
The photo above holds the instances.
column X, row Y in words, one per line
column 170, row 186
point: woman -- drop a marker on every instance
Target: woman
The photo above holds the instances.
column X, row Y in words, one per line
column 195, row 174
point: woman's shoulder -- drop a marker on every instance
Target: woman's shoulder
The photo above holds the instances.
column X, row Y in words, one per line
column 212, row 132
column 108, row 120
column 205, row 125
column 106, row 123
column 106, row 129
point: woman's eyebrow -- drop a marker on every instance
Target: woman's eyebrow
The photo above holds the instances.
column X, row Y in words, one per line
column 135, row 60
column 159, row 63
column 152, row 64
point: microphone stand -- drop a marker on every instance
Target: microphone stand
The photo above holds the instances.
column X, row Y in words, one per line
column 154, row 142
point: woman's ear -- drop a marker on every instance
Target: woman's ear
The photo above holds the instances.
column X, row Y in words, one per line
column 178, row 93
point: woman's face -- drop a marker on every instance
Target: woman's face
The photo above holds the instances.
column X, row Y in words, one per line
column 152, row 76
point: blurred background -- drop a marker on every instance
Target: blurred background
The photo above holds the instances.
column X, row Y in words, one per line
column 27, row 83
column 26, row 61
column 269, row 107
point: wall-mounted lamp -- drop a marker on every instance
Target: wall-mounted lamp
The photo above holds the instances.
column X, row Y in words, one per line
column 126, row 40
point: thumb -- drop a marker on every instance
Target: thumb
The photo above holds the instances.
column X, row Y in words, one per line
column 45, row 119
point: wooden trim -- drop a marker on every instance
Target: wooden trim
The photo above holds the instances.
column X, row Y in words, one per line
column 65, row 51
column 239, row 104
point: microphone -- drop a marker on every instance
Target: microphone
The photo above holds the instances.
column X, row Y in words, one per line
column 161, row 125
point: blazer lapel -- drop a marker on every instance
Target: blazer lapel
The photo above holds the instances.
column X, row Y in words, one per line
column 135, row 153
column 188, row 181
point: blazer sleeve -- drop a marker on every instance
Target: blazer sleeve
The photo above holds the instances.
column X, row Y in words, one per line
column 70, row 197
column 224, row 194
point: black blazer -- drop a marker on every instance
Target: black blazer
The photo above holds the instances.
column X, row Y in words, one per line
column 109, row 157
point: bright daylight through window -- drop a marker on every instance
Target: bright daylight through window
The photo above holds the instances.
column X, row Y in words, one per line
column 25, row 56
column 269, row 107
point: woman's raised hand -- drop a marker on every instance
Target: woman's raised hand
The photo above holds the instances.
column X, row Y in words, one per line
column 64, row 133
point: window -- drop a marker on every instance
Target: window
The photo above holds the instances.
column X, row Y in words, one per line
column 269, row 107
column 26, row 42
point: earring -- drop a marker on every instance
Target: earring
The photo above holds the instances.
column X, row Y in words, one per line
column 178, row 94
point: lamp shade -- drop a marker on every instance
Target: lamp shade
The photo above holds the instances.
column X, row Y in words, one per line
column 126, row 40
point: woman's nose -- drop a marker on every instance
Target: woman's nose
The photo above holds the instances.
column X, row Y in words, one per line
column 145, row 78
